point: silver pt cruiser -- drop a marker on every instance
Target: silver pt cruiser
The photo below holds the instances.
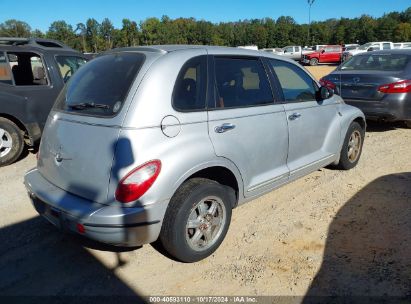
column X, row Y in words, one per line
column 163, row 142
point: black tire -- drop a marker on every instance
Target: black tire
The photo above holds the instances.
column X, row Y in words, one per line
column 407, row 124
column 313, row 61
column 10, row 132
column 175, row 235
column 347, row 160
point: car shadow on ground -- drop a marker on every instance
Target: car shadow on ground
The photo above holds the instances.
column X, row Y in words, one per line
column 38, row 260
column 368, row 249
column 382, row 126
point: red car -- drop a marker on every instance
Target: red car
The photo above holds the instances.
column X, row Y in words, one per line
column 328, row 54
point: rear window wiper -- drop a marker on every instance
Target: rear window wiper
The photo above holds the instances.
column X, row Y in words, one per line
column 85, row 105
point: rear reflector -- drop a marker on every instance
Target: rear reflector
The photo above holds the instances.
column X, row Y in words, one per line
column 138, row 181
column 403, row 86
column 81, row 229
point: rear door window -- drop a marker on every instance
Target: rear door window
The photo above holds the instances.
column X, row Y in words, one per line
column 296, row 84
column 241, row 82
column 190, row 88
column 101, row 86
column 27, row 69
column 5, row 72
column 68, row 65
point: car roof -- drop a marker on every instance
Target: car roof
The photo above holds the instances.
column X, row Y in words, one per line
column 392, row 51
column 39, row 44
column 215, row 50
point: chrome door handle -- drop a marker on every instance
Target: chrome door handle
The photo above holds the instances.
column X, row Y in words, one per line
column 294, row 116
column 224, row 128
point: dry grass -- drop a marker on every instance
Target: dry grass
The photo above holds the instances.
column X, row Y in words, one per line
column 321, row 70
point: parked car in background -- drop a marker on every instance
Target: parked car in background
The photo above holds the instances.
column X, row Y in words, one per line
column 379, row 83
column 368, row 47
column 350, row 47
column 402, row 45
column 249, row 122
column 318, row 47
column 329, row 54
column 32, row 73
column 292, row 51
column 276, row 51
column 248, row 47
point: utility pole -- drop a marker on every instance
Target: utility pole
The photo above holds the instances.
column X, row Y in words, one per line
column 310, row 3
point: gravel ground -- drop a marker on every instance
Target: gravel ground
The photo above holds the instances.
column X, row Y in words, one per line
column 329, row 233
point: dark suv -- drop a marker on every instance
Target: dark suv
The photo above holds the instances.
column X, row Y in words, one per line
column 32, row 74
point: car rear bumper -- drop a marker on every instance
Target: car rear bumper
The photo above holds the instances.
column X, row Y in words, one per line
column 390, row 109
column 115, row 225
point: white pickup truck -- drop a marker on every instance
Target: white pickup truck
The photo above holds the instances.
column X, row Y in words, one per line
column 293, row 52
column 368, row 47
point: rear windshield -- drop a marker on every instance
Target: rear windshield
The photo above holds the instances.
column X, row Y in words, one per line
column 377, row 62
column 100, row 87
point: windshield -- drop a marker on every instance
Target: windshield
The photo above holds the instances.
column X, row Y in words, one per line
column 102, row 85
column 364, row 46
column 68, row 65
column 377, row 62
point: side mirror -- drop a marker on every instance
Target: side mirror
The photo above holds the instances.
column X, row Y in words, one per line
column 322, row 51
column 326, row 93
column 370, row 49
column 285, row 51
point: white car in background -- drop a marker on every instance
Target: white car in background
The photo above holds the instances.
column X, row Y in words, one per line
column 368, row 47
column 402, row 45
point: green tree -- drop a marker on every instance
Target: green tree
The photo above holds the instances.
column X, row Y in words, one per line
column 386, row 28
column 92, row 35
column 37, row 34
column 403, row 32
column 61, row 31
column 130, row 33
column 106, row 33
column 81, row 32
column 15, row 28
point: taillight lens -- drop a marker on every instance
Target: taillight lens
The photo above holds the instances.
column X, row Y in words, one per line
column 403, row 86
column 138, row 181
column 327, row 83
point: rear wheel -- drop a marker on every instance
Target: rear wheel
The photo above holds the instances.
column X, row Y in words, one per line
column 313, row 61
column 11, row 142
column 352, row 147
column 197, row 219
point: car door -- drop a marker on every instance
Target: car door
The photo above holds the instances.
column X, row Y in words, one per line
column 326, row 55
column 32, row 81
column 246, row 126
column 314, row 126
column 297, row 53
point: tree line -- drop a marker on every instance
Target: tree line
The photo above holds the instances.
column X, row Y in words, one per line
column 94, row 36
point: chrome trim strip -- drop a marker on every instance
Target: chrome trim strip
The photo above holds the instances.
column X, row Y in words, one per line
column 312, row 164
column 266, row 183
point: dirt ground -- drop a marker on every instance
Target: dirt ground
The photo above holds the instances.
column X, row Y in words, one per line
column 329, row 233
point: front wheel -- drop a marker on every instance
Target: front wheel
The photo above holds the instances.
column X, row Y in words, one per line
column 197, row 219
column 352, row 147
column 11, row 142
column 313, row 61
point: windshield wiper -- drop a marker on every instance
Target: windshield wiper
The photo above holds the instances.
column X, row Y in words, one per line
column 85, row 105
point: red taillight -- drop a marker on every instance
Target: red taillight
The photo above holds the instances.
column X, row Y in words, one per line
column 327, row 83
column 403, row 86
column 80, row 228
column 138, row 181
